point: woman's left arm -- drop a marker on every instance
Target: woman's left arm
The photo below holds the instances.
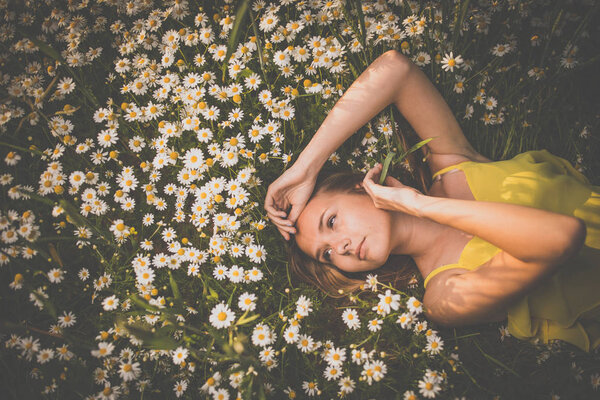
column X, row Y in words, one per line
column 534, row 243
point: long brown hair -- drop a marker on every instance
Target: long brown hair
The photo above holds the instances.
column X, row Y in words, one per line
column 398, row 269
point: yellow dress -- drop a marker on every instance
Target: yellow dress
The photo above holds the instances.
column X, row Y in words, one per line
column 566, row 305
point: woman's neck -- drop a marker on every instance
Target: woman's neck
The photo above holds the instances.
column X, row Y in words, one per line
column 420, row 238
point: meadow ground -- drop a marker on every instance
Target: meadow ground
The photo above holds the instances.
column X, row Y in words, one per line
column 138, row 140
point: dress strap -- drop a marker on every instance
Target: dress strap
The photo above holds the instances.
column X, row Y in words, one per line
column 440, row 269
column 448, row 168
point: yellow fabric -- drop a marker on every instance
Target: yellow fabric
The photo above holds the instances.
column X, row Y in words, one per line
column 566, row 305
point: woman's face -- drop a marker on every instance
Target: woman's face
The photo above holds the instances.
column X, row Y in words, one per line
column 345, row 221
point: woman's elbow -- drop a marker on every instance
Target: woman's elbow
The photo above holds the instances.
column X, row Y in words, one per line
column 399, row 61
column 578, row 237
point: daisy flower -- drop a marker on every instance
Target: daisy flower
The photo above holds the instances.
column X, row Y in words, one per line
column 434, row 344
column 236, row 274
column 449, row 62
column 305, row 343
column 56, row 275
column 268, row 22
column 429, row 388
column 389, row 301
column 405, row 320
column 422, row 59
column 180, row 387
column 104, row 349
column 291, row 334
column 359, row 356
column 262, row 335
column 129, row 371
column 375, row 325
column 220, row 272
column 221, row 316
column 252, row 82
column 247, row 301
column 336, row 356
column 491, row 103
column 332, row 372
column 350, row 318
column 501, row 49
column 371, row 282
column 303, row 305
column 45, row 355
column 414, row 306
column 110, row 303
column 410, row 395
column 459, row 86
column 310, row 388
column 67, row 319
column 179, row 355
column 256, row 253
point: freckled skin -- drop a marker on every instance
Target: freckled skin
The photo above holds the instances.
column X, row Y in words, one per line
column 354, row 218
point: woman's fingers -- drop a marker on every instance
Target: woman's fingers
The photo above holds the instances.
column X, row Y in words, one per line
column 280, row 221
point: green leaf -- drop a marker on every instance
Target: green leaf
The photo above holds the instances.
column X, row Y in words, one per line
column 386, row 166
column 158, row 339
column 415, row 148
column 236, row 31
column 142, row 303
column 213, row 294
column 174, row 288
column 244, row 320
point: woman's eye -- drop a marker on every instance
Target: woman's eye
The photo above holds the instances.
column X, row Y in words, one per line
column 326, row 255
column 329, row 221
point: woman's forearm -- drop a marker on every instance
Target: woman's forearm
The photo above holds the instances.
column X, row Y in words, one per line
column 527, row 233
column 372, row 91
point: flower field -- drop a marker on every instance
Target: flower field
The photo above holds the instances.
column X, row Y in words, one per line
column 137, row 142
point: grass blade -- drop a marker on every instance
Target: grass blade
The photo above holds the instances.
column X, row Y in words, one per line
column 236, row 31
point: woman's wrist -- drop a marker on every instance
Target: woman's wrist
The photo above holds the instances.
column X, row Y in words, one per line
column 410, row 202
column 311, row 166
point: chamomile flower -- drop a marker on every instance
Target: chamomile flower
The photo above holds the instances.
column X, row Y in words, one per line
column 434, row 344
column 67, row 319
column 449, row 62
column 350, row 318
column 414, row 306
column 305, row 343
column 247, row 302
column 310, row 388
column 56, row 275
column 389, row 301
column 129, row 371
column 179, row 355
column 501, row 49
column 336, row 356
column 428, row 387
column 110, row 303
column 221, row 316
column 105, row 349
column 375, row 325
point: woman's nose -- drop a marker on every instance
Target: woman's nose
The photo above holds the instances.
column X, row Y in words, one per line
column 342, row 246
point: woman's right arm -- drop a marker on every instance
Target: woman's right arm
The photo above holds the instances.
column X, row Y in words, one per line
column 371, row 92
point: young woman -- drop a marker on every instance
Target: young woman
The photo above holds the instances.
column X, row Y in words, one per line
column 516, row 239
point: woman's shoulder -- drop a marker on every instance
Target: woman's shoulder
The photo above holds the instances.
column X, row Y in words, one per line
column 438, row 162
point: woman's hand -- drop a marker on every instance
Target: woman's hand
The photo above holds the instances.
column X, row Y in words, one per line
column 394, row 196
column 292, row 189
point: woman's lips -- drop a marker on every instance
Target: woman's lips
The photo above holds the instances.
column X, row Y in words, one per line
column 361, row 250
